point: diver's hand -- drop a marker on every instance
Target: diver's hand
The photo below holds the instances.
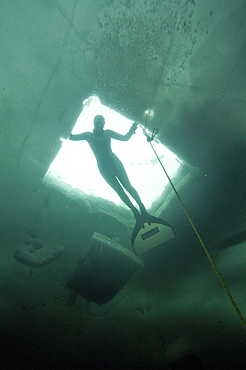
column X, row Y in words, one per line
column 134, row 126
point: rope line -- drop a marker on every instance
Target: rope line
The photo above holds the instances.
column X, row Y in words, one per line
column 199, row 238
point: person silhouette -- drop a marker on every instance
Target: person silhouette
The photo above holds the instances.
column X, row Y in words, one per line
column 109, row 165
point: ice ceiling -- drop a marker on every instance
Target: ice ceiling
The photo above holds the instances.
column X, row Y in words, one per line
column 184, row 60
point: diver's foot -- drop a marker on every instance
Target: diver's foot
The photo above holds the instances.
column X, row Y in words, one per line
column 138, row 218
column 146, row 216
column 140, row 221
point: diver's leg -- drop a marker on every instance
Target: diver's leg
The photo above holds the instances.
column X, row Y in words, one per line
column 123, row 178
column 114, row 183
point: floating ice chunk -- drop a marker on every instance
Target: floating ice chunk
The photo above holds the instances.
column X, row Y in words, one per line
column 104, row 271
column 36, row 253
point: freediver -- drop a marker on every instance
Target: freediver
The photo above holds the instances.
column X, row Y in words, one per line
column 109, row 165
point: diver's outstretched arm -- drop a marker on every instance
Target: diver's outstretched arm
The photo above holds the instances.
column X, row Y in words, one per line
column 83, row 136
column 116, row 136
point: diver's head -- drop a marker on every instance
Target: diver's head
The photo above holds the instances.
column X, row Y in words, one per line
column 99, row 122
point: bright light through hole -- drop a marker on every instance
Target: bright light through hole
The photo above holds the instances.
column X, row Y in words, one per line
column 75, row 163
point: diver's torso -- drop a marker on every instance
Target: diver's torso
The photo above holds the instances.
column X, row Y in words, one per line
column 101, row 147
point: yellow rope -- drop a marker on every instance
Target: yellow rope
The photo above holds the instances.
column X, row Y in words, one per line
column 202, row 244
